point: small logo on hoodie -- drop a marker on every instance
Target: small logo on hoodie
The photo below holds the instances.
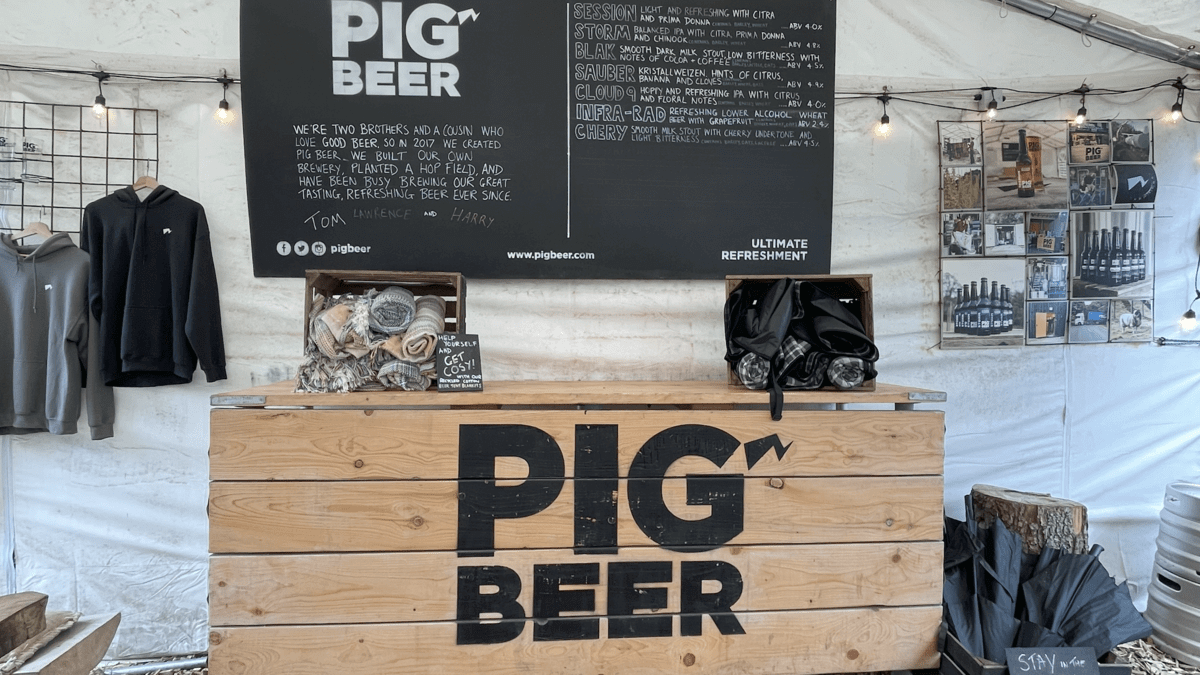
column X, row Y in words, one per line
column 49, row 287
column 166, row 230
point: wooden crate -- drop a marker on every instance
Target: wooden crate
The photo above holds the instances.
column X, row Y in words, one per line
column 957, row 660
column 854, row 291
column 320, row 285
column 350, row 536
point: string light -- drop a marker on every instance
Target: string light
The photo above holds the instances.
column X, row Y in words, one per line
column 1177, row 109
column 991, row 109
column 1188, row 321
column 223, row 114
column 100, row 107
column 1081, row 116
column 884, row 128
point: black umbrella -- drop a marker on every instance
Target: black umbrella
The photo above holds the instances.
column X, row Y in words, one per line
column 995, row 596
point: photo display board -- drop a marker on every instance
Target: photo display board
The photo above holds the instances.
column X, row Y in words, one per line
column 1047, row 232
column 539, row 139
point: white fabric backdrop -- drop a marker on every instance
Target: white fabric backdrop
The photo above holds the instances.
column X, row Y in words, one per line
column 120, row 524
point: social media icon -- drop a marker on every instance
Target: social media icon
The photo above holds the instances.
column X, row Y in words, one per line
column 283, row 248
column 318, row 248
column 302, row 248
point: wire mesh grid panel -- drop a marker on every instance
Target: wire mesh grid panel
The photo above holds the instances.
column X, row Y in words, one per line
column 55, row 159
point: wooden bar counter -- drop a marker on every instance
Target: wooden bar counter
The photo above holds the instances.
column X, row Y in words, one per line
column 590, row 528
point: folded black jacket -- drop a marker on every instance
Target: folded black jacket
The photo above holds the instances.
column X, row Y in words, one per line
column 153, row 288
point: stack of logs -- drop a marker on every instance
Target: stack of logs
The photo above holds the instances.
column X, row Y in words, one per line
column 36, row 642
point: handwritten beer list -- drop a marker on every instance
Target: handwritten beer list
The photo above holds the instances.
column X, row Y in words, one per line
column 399, row 162
column 706, row 75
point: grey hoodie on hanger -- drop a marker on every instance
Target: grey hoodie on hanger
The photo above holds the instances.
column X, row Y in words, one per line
column 44, row 357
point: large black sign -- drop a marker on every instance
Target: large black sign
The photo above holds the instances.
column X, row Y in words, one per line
column 538, row 138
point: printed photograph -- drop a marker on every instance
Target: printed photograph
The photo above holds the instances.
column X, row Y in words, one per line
column 962, row 234
column 1091, row 142
column 1004, row 233
column 1046, row 323
column 1131, row 321
column 1136, row 184
column 1132, row 141
column 1025, row 166
column 1089, row 322
column 1113, row 253
column 962, row 143
column 983, row 302
column 1046, row 278
column 1047, row 233
column 1089, row 186
column 962, row 188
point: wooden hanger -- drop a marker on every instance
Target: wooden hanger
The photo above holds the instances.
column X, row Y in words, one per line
column 144, row 182
column 36, row 227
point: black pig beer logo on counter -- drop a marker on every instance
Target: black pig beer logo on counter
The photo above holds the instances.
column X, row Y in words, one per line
column 488, row 606
column 431, row 31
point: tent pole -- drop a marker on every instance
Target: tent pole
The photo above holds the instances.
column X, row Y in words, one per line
column 1108, row 33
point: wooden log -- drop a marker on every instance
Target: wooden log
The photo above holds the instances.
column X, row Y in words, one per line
column 1041, row 520
column 22, row 615
column 77, row 650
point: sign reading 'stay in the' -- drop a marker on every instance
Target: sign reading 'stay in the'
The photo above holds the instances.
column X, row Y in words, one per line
column 430, row 30
column 483, row 501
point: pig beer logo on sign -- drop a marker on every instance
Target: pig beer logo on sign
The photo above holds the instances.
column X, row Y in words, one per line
column 482, row 501
column 431, row 31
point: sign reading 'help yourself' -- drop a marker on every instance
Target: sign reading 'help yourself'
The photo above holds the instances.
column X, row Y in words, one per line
column 482, row 501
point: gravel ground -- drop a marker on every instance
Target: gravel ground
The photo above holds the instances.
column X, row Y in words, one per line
column 1147, row 659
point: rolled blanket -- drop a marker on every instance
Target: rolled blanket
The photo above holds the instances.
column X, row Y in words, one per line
column 420, row 340
column 392, row 310
column 848, row 372
column 403, row 375
column 809, row 371
column 325, row 332
column 754, row 371
column 356, row 335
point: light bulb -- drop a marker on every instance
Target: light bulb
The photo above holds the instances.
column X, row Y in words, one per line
column 992, row 110
column 98, row 108
column 1188, row 322
column 223, row 109
column 1177, row 112
column 1081, row 116
column 885, row 127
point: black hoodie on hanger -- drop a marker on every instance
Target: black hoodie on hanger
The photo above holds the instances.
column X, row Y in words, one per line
column 153, row 288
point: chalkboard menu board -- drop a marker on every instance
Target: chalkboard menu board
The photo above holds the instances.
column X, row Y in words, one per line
column 539, row 139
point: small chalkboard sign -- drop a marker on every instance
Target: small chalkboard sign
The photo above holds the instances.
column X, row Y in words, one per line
column 1052, row 661
column 458, row 364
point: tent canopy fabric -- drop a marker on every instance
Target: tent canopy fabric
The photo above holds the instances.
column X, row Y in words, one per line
column 121, row 523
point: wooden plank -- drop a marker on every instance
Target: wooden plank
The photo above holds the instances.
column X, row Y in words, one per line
column 300, row 517
column 408, row 444
column 22, row 616
column 77, row 650
column 798, row 642
column 565, row 393
column 408, row 587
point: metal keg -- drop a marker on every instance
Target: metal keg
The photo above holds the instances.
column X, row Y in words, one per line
column 1174, row 604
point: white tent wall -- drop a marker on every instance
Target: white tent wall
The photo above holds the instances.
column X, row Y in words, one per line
column 120, row 524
